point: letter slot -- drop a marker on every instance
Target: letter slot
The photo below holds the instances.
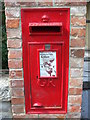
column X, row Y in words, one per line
column 45, row 28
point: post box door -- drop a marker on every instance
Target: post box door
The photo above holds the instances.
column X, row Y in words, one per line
column 45, row 36
column 46, row 75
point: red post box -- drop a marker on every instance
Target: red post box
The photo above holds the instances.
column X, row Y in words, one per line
column 45, row 35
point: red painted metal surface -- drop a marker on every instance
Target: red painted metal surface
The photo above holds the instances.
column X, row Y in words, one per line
column 45, row 35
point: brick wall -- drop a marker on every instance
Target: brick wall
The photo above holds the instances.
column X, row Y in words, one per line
column 15, row 60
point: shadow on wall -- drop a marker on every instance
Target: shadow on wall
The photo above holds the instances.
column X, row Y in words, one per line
column 4, row 39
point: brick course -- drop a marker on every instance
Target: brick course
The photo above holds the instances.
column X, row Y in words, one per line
column 12, row 63
column 79, row 32
column 15, row 33
column 13, row 12
column 70, row 3
column 74, row 108
column 75, row 91
column 15, row 74
column 45, row 3
column 76, row 73
column 18, row 109
column 77, row 44
column 75, row 99
column 77, row 53
column 76, row 62
column 12, row 23
column 17, row 101
column 15, row 54
column 17, row 84
column 75, row 82
column 14, row 43
column 80, row 42
column 78, row 21
column 17, row 92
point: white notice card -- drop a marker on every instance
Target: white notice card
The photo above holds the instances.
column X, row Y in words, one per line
column 47, row 64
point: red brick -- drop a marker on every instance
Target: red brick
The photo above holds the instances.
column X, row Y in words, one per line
column 12, row 12
column 60, row 116
column 15, row 54
column 68, row 3
column 77, row 43
column 17, row 83
column 74, row 82
column 17, row 92
column 73, row 108
column 11, row 4
column 77, row 3
column 33, row 116
column 57, row 116
column 80, row 32
column 12, row 23
column 20, row 116
column 14, row 43
column 14, row 63
column 33, row 3
column 15, row 74
column 17, row 109
column 74, row 115
column 45, row 3
column 75, row 91
column 15, row 33
column 79, row 53
column 76, row 62
column 76, row 73
column 78, row 21
column 17, row 101
column 75, row 99
column 45, row 116
column 60, row 3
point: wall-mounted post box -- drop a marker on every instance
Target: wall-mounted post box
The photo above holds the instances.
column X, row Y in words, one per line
column 45, row 35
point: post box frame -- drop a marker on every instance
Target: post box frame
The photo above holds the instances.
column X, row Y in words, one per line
column 27, row 81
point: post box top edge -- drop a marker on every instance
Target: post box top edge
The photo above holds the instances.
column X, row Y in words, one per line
column 44, row 9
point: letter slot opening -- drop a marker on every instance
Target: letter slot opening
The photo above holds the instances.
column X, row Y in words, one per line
column 45, row 28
